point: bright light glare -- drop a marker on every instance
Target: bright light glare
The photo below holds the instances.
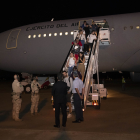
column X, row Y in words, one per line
column 55, row 34
column 137, row 27
column 50, row 34
column 29, row 36
column 44, row 35
column 66, row 33
column 71, row 33
column 34, row 36
column 39, row 35
column 61, row 34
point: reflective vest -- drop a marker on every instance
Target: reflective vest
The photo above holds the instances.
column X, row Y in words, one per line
column 123, row 80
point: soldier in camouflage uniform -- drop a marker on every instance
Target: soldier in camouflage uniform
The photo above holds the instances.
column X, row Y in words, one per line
column 16, row 98
column 34, row 96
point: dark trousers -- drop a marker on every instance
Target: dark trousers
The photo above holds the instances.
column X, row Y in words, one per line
column 123, row 86
column 78, row 106
column 86, row 48
column 57, row 113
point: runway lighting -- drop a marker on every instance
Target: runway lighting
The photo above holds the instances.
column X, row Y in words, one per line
column 34, row 36
column 29, row 36
column 44, row 35
column 50, row 34
column 61, row 34
column 66, row 33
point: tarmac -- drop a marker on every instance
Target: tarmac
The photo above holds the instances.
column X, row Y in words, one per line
column 117, row 119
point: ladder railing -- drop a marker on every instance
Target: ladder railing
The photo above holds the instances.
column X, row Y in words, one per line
column 92, row 66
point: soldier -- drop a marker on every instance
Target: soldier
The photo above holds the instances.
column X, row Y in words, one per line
column 16, row 98
column 34, row 96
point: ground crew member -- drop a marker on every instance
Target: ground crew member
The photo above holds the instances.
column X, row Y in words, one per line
column 16, row 98
column 123, row 83
column 34, row 96
column 78, row 93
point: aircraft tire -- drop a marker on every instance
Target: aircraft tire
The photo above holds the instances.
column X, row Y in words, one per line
column 27, row 89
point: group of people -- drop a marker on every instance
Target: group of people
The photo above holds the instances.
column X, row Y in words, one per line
column 62, row 91
column 82, row 45
column 16, row 97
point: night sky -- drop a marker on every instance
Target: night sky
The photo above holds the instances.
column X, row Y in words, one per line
column 16, row 14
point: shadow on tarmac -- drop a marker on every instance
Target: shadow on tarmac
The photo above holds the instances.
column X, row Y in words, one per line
column 62, row 136
column 4, row 115
column 42, row 104
column 26, row 110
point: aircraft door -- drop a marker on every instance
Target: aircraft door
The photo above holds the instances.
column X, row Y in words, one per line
column 75, row 33
column 89, row 21
column 12, row 39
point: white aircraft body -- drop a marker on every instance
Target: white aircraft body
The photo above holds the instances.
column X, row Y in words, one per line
column 41, row 48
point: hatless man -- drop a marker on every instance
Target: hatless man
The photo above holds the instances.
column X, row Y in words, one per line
column 16, row 98
column 90, row 39
column 69, row 82
column 59, row 92
column 106, row 24
column 78, row 92
column 93, row 26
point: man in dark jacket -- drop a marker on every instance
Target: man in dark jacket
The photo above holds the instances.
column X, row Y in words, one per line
column 59, row 92
column 106, row 24
column 93, row 26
